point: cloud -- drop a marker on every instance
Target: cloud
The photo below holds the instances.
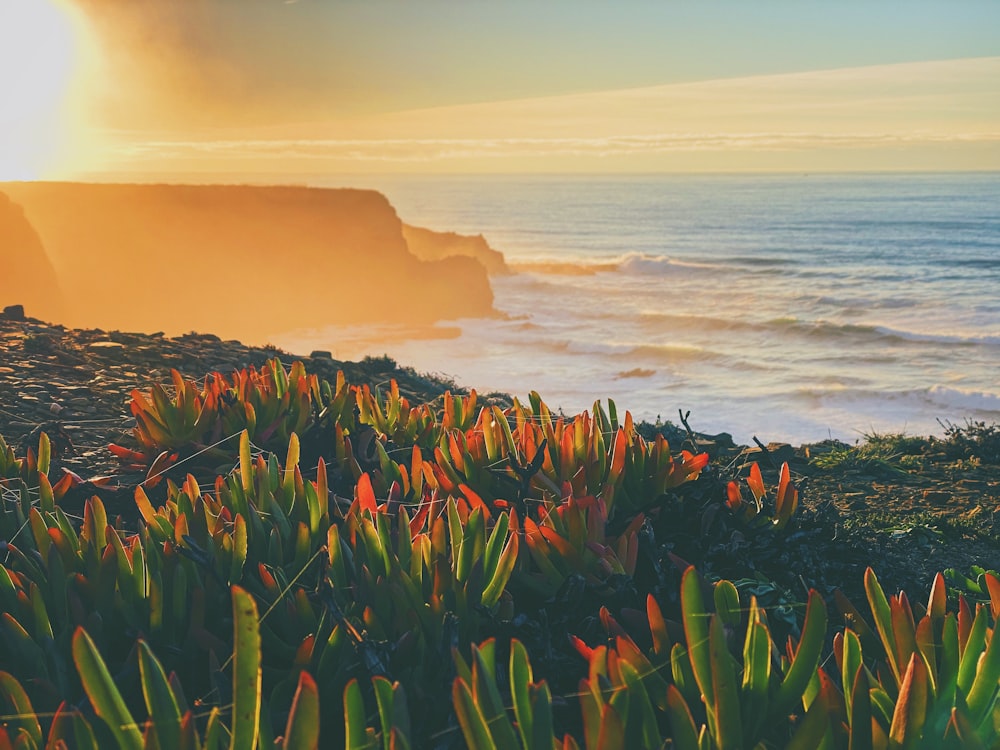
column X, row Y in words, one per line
column 882, row 115
column 188, row 64
column 444, row 149
column 940, row 96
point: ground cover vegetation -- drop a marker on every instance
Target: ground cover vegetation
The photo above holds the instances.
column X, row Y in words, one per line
column 313, row 563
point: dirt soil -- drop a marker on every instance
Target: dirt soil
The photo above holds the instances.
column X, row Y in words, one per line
column 932, row 507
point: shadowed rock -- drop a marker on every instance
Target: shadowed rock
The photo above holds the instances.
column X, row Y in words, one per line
column 430, row 245
column 246, row 262
column 26, row 274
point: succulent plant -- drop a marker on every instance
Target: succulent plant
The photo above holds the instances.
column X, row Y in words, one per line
column 369, row 597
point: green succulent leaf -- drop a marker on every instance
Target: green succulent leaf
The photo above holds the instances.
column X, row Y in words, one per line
column 160, row 701
column 756, row 673
column 22, row 716
column 355, row 728
column 696, row 629
column 302, row 729
column 103, row 693
column 246, row 671
column 520, row 684
column 725, row 712
column 911, row 706
column 685, row 731
column 860, row 712
column 474, row 727
column 806, row 658
column 983, row 694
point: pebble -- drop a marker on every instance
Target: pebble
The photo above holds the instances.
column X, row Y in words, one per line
column 937, row 497
column 977, row 485
column 106, row 345
column 779, row 452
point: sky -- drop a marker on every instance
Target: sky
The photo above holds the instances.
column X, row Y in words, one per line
column 322, row 87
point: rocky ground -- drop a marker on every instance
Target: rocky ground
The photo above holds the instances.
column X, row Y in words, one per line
column 907, row 506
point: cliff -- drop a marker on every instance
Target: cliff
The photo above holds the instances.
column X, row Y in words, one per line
column 243, row 261
column 25, row 269
column 430, row 245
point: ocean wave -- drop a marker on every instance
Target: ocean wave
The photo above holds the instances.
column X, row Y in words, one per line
column 634, row 263
column 812, row 329
column 877, row 333
column 562, row 267
column 978, row 264
column 951, row 402
column 635, row 372
column 655, row 322
column 762, row 262
column 641, row 354
column 641, row 263
column 980, row 401
column 857, row 303
column 671, row 353
column 938, row 338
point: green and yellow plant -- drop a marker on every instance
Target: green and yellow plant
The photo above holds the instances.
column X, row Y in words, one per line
column 270, row 404
column 362, row 601
column 763, row 510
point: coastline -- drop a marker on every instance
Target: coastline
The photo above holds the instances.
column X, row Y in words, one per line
column 83, row 253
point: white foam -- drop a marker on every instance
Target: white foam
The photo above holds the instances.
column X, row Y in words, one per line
column 939, row 338
column 962, row 400
column 642, row 263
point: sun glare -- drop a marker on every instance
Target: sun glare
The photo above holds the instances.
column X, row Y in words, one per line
column 36, row 67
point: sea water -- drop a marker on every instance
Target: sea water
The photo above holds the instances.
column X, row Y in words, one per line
column 792, row 307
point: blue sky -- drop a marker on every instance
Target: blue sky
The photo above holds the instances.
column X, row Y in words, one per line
column 430, row 53
column 326, row 83
column 379, row 55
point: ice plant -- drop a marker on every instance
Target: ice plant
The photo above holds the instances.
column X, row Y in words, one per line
column 786, row 498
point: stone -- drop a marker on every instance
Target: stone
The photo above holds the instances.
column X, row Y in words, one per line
column 321, row 354
column 855, row 500
column 430, row 245
column 106, row 346
column 14, row 312
column 779, row 453
column 723, row 440
column 937, row 497
column 975, row 485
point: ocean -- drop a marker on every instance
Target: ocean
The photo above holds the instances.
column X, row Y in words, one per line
column 791, row 308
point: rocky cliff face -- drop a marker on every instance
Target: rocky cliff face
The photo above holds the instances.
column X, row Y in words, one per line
column 430, row 245
column 241, row 261
column 26, row 274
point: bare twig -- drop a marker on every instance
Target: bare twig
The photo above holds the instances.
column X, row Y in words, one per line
column 684, row 421
column 767, row 454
